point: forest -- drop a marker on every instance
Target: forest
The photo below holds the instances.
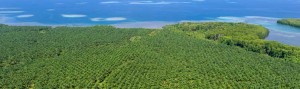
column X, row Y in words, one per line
column 249, row 37
column 185, row 55
column 291, row 21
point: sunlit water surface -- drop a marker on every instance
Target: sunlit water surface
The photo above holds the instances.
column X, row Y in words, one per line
column 154, row 13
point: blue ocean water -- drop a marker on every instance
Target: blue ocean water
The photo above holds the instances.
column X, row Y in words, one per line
column 154, row 13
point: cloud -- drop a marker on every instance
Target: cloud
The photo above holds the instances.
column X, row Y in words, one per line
column 25, row 16
column 262, row 17
column 50, row 9
column 4, row 19
column 82, row 3
column 110, row 2
column 156, row 3
column 97, row 19
column 232, row 2
column 73, row 15
column 115, row 19
column 10, row 12
column 246, row 19
column 108, row 19
column 231, row 19
column 199, row 0
column 196, row 21
column 9, row 8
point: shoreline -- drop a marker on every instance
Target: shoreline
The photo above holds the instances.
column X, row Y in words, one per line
column 281, row 33
column 140, row 24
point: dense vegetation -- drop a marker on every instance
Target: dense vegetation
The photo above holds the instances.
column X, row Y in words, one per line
column 291, row 21
column 108, row 57
column 249, row 37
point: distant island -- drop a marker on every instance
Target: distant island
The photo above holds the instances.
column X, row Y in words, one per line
column 185, row 55
column 290, row 21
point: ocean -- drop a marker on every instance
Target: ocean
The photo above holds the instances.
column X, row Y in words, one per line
column 154, row 13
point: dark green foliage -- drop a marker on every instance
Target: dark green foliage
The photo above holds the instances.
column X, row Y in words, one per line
column 232, row 30
column 2, row 25
column 108, row 57
column 291, row 21
column 249, row 37
column 271, row 48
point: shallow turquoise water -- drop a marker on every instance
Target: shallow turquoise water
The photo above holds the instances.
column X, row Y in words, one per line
column 281, row 33
column 154, row 13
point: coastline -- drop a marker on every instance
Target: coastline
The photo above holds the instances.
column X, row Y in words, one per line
column 281, row 33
